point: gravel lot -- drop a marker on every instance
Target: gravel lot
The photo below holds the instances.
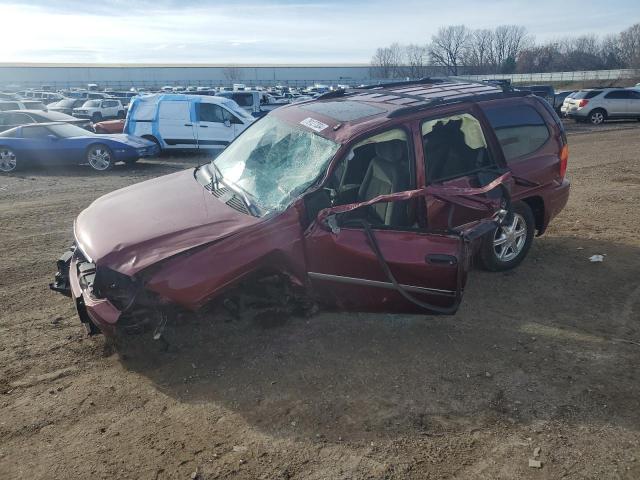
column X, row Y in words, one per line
column 546, row 356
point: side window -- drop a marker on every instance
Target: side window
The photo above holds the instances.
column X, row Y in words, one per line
column 9, row 106
column 378, row 165
column 227, row 115
column 617, row 95
column 174, row 111
column 209, row 112
column 520, row 129
column 19, row 119
column 243, row 99
column 453, row 147
column 35, row 132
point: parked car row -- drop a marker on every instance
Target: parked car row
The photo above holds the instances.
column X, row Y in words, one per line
column 599, row 105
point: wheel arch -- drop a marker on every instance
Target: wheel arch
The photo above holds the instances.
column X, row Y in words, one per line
column 602, row 109
column 536, row 204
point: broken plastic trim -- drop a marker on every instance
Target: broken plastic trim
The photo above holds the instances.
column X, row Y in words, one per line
column 457, row 195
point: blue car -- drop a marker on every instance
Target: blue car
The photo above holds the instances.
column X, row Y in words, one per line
column 61, row 143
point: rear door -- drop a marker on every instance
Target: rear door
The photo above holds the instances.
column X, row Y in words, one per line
column 457, row 154
column 212, row 130
column 617, row 103
column 175, row 125
column 634, row 103
column 531, row 142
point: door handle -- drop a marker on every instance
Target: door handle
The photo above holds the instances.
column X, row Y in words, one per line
column 441, row 259
column 204, row 126
column 188, row 124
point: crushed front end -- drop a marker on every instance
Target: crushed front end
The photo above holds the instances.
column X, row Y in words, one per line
column 106, row 301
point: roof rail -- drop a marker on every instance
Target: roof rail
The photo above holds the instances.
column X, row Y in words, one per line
column 401, row 83
column 444, row 101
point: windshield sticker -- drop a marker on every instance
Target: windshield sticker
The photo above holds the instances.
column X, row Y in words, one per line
column 315, row 125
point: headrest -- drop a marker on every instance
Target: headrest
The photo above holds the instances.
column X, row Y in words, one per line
column 391, row 151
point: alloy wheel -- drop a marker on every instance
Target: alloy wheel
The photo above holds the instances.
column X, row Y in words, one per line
column 509, row 240
column 99, row 158
column 597, row 118
column 8, row 160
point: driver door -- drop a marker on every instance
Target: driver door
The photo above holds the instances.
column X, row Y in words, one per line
column 369, row 250
column 345, row 271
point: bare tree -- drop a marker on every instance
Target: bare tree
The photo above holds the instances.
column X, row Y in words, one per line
column 448, row 47
column 508, row 41
column 387, row 62
column 630, row 46
column 610, row 52
column 478, row 52
column 417, row 58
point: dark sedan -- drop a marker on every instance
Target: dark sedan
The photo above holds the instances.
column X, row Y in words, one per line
column 66, row 105
column 61, row 143
column 16, row 118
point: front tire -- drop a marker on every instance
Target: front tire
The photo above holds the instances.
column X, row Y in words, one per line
column 509, row 244
column 96, row 117
column 8, row 160
column 100, row 157
column 597, row 117
column 121, row 114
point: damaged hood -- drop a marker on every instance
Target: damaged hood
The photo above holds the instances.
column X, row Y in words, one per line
column 135, row 227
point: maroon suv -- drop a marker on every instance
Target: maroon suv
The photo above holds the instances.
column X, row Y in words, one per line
column 372, row 199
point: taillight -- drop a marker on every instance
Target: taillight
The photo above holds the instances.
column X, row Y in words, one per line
column 564, row 158
column 583, row 103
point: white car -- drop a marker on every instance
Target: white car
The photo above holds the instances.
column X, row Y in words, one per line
column 98, row 110
column 178, row 121
column 6, row 105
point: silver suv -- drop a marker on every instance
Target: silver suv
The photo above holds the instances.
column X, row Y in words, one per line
column 598, row 105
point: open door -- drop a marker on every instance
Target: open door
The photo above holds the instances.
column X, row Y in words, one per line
column 359, row 266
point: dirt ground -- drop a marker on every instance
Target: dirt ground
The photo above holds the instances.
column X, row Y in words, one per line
column 540, row 357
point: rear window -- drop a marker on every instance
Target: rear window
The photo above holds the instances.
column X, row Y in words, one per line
column 586, row 94
column 520, row 129
column 8, row 106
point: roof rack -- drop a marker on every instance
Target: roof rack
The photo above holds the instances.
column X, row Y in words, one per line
column 445, row 101
column 402, row 83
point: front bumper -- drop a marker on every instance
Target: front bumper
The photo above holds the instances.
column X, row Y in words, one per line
column 72, row 266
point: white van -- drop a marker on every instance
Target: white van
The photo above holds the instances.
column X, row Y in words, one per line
column 176, row 121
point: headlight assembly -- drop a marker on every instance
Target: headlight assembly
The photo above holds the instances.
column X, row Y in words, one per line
column 119, row 289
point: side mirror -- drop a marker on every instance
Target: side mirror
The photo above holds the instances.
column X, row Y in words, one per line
column 227, row 123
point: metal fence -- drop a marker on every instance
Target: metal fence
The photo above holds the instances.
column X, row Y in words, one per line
column 578, row 76
column 155, row 83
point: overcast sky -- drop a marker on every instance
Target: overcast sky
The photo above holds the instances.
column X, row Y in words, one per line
column 273, row 31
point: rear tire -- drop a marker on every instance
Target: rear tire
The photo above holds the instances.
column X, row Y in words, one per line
column 8, row 160
column 597, row 116
column 100, row 157
column 509, row 245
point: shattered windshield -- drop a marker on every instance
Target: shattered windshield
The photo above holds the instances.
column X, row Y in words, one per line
column 273, row 162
